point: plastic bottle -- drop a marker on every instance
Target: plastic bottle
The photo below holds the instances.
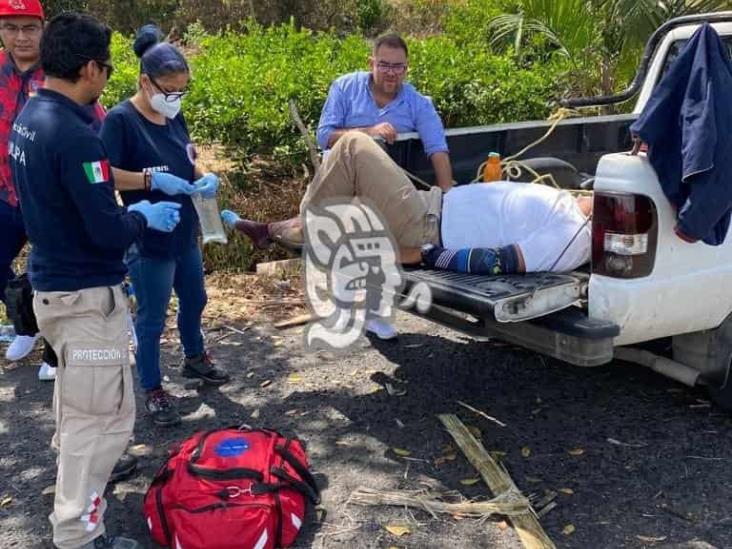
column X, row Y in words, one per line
column 208, row 215
column 492, row 168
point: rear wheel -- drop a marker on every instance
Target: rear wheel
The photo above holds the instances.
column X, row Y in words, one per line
column 722, row 396
column 710, row 352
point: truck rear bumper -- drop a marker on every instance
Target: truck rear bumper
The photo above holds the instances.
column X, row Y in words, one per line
column 535, row 311
column 568, row 335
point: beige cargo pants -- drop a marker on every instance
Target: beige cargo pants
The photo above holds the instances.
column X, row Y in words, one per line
column 357, row 167
column 93, row 401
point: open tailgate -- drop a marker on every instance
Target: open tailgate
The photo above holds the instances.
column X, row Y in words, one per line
column 506, row 298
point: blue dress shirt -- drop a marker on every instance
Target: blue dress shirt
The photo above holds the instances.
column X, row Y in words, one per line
column 351, row 104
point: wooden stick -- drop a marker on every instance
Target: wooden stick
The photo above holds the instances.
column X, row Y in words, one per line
column 298, row 320
column 236, row 330
column 526, row 524
column 314, row 157
column 481, row 414
column 508, row 505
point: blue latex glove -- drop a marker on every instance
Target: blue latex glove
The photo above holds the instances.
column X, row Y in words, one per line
column 207, row 185
column 161, row 216
column 170, row 184
column 229, row 218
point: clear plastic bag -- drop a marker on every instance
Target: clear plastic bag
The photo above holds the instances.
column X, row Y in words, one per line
column 7, row 333
column 212, row 229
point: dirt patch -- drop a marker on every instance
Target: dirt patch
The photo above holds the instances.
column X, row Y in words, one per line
column 633, row 456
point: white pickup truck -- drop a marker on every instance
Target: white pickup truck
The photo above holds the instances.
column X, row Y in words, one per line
column 643, row 284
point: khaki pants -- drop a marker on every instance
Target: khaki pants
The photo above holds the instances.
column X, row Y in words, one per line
column 93, row 400
column 358, row 168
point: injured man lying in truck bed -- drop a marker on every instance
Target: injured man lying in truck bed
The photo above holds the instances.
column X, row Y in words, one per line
column 483, row 228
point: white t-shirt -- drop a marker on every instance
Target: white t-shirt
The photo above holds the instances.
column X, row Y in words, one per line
column 540, row 219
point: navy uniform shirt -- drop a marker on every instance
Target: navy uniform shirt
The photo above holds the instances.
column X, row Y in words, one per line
column 135, row 144
column 77, row 230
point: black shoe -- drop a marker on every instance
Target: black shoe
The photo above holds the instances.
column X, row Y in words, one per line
column 203, row 367
column 111, row 542
column 125, row 466
column 161, row 408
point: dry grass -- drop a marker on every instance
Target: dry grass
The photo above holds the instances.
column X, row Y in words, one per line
column 448, row 503
column 262, row 191
column 237, row 298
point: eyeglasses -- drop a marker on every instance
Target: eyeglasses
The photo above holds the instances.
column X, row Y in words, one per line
column 109, row 68
column 30, row 30
column 170, row 97
column 396, row 68
column 103, row 64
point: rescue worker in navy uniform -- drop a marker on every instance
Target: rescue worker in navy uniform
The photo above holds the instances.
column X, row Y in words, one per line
column 79, row 235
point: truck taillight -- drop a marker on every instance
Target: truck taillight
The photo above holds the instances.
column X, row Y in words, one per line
column 624, row 234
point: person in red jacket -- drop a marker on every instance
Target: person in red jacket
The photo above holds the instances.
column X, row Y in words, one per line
column 21, row 76
column 21, row 27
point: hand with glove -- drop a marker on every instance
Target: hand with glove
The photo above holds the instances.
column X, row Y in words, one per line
column 170, row 184
column 161, row 216
column 229, row 218
column 207, row 185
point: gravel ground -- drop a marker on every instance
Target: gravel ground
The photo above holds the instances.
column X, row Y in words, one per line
column 639, row 460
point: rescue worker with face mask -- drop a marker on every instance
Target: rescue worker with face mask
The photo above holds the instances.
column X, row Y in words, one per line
column 153, row 158
column 78, row 235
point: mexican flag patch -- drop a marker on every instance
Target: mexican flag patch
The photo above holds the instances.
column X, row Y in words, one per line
column 97, row 172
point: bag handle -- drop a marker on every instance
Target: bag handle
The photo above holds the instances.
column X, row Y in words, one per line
column 301, row 470
column 225, row 474
column 292, row 482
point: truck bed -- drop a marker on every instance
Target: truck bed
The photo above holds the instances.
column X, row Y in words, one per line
column 579, row 141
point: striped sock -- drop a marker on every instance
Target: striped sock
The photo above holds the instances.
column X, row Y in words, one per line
column 484, row 261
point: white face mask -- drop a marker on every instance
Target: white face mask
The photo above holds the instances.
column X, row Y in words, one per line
column 169, row 109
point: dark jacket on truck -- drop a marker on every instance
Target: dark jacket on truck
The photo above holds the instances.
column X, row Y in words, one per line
column 687, row 125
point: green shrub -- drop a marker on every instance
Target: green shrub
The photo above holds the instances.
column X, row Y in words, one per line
column 123, row 83
column 373, row 15
column 467, row 22
column 475, row 87
column 242, row 83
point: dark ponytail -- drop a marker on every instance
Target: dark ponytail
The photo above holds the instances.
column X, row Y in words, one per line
column 157, row 57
